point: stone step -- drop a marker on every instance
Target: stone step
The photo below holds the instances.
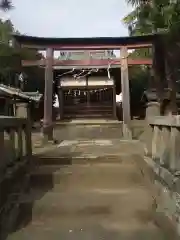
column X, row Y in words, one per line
column 88, row 115
column 98, row 106
column 94, row 131
column 90, row 123
column 89, row 110
column 52, row 158
column 81, row 196
column 118, row 203
column 105, row 200
column 87, row 228
column 107, row 175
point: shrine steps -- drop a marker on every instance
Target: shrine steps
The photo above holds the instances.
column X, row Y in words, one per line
column 86, row 198
column 90, row 106
column 88, row 116
column 90, row 111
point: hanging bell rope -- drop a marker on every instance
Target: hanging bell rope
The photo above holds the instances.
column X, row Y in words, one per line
column 90, row 71
column 109, row 74
column 78, row 75
column 71, row 71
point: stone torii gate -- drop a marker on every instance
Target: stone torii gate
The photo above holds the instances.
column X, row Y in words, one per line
column 64, row 44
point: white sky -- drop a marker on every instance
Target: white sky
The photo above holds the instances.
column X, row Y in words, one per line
column 69, row 18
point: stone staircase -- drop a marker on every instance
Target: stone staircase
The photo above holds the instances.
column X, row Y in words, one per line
column 92, row 111
column 87, row 196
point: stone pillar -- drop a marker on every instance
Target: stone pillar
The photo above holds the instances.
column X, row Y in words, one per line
column 61, row 103
column 6, row 107
column 125, row 93
column 152, row 109
column 48, row 93
column 168, row 110
column 100, row 95
column 2, row 149
column 114, row 101
column 22, row 110
column 24, row 138
column 88, row 97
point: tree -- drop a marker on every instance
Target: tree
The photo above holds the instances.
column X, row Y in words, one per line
column 10, row 65
column 6, row 52
column 159, row 16
column 6, row 5
column 10, row 57
column 153, row 16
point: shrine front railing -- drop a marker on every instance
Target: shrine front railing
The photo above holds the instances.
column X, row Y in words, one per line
column 15, row 159
column 166, row 141
column 15, row 140
column 162, row 169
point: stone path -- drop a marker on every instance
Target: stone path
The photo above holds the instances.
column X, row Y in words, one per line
column 88, row 189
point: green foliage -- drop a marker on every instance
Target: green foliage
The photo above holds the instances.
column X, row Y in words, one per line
column 156, row 16
column 6, row 5
column 10, row 65
column 139, row 79
column 7, row 53
column 159, row 16
column 138, row 84
column 10, row 58
column 141, row 53
column 153, row 15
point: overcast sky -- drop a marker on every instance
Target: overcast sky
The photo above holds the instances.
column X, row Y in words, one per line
column 70, row 18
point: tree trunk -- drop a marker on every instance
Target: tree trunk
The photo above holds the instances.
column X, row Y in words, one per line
column 171, row 76
column 159, row 70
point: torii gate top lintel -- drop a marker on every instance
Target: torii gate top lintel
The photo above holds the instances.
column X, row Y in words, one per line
column 94, row 43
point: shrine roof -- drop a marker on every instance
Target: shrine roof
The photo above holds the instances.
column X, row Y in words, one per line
column 85, row 42
column 16, row 92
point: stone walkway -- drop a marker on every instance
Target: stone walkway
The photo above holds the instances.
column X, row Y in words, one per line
column 86, row 189
column 96, row 147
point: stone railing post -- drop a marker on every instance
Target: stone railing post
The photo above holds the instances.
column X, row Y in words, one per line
column 2, row 149
column 164, row 170
column 14, row 166
column 23, row 111
column 174, row 149
column 166, row 142
column 152, row 109
column 20, row 142
column 12, row 141
column 155, row 143
column 164, row 145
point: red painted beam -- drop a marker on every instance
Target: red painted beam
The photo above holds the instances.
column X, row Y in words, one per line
column 101, row 47
column 89, row 62
column 87, row 47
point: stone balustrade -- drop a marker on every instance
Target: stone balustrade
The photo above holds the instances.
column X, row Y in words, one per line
column 15, row 158
column 163, row 164
column 166, row 142
column 15, row 140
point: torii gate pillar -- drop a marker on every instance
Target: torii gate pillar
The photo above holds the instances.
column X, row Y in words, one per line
column 125, row 93
column 48, row 95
